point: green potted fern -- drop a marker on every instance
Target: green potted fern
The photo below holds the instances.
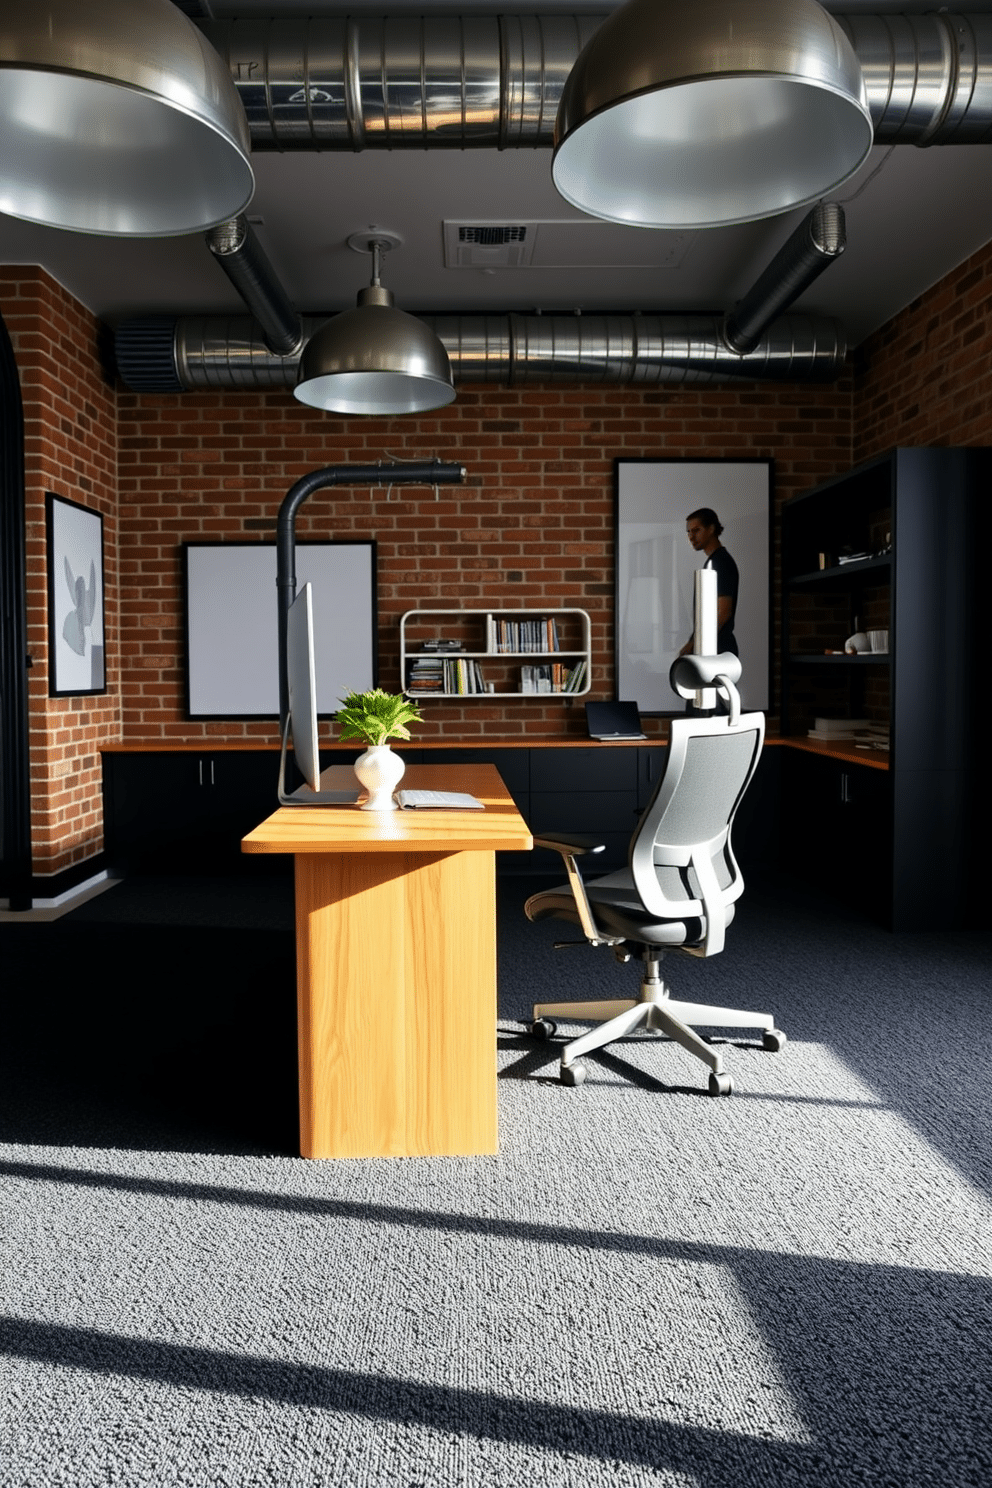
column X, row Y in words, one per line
column 376, row 717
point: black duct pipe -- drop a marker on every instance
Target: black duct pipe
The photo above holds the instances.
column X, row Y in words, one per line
column 817, row 241
column 423, row 473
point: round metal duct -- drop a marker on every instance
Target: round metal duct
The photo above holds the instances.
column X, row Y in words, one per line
column 700, row 113
column 118, row 118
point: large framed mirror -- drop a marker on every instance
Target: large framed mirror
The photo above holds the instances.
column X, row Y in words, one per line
column 655, row 563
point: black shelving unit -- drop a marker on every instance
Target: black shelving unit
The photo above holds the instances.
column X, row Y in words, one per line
column 904, row 838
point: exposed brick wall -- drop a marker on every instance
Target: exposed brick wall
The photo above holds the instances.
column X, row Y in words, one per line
column 70, row 426
column 532, row 527
column 924, row 378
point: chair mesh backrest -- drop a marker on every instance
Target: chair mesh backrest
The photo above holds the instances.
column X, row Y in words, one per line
column 709, row 767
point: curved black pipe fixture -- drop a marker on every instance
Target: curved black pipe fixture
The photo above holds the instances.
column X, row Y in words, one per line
column 15, row 778
column 422, row 473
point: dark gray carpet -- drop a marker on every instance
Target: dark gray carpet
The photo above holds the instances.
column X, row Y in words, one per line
column 646, row 1286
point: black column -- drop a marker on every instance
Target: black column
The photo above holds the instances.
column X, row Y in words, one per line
column 15, row 783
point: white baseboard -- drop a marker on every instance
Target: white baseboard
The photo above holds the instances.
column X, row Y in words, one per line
column 53, row 909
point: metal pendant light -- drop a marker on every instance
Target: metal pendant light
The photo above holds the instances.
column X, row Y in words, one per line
column 375, row 359
column 118, row 117
column 701, row 113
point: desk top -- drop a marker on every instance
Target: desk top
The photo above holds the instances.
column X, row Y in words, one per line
column 347, row 829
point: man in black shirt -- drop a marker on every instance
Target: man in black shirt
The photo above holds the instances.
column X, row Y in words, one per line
column 703, row 528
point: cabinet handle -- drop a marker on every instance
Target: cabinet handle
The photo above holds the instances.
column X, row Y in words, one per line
column 201, row 772
column 845, row 788
column 212, row 782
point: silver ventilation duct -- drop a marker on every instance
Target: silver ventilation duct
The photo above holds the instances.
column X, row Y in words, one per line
column 494, row 82
column 214, row 353
column 244, row 261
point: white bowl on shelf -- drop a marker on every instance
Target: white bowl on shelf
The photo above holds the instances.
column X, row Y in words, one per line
column 857, row 644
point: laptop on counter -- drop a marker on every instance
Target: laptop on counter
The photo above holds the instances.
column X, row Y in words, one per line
column 614, row 721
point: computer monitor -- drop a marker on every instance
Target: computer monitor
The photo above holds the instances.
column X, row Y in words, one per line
column 301, row 671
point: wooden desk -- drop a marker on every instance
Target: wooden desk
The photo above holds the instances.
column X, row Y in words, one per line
column 396, row 966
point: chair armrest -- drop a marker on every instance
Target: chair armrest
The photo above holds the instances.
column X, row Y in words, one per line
column 568, row 843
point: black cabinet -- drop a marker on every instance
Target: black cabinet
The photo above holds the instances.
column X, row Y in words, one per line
column 837, row 833
column 907, row 523
column 184, row 811
column 592, row 791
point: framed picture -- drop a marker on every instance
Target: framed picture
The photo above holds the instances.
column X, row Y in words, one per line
column 75, row 599
column 655, row 565
column 232, row 624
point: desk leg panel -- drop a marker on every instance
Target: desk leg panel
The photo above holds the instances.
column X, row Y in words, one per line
column 396, row 958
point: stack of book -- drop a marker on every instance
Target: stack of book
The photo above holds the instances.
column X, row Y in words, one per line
column 876, row 736
column 832, row 730
column 426, row 675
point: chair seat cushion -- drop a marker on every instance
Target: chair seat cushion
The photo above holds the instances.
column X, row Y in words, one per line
column 617, row 910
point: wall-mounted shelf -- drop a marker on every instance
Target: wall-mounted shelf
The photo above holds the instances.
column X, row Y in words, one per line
column 845, row 571
column 861, row 658
column 497, row 653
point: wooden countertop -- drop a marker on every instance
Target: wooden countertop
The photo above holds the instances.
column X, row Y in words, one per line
column 348, row 829
column 844, row 750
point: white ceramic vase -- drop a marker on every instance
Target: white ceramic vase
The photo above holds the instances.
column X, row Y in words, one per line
column 379, row 770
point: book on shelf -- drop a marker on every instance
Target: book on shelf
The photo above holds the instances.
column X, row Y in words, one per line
column 537, row 635
column 861, row 730
column 552, row 677
column 575, row 679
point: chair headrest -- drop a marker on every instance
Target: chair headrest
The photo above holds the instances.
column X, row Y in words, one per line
column 690, row 672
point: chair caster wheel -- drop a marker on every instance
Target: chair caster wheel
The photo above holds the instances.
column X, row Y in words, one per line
column 543, row 1028
column 572, row 1074
column 721, row 1085
column 773, row 1040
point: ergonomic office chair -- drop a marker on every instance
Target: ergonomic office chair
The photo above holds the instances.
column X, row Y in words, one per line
column 678, row 890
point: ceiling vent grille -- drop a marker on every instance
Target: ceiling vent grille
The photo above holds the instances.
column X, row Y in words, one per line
column 567, row 243
column 487, row 245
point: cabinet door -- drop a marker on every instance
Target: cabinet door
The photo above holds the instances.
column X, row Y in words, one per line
column 592, row 791
column 185, row 811
column 598, row 768
column 837, row 831
column 236, row 790
column 608, row 816
column 151, row 808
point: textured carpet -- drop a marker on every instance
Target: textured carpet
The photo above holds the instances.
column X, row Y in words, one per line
column 646, row 1286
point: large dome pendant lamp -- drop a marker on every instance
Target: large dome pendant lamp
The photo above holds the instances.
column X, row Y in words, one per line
column 374, row 360
column 703, row 113
column 118, row 117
